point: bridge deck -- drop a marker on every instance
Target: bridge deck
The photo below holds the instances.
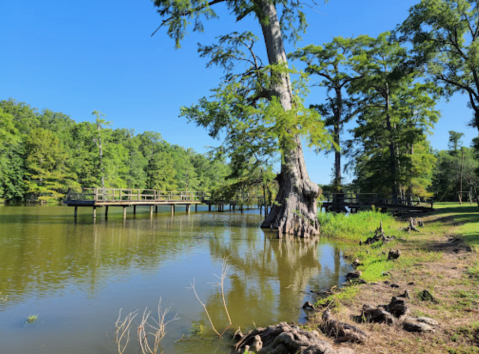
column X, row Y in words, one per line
column 367, row 200
column 119, row 197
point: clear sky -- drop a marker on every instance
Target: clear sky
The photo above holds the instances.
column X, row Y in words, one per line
column 79, row 56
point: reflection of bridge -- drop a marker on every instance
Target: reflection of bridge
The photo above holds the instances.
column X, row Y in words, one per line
column 120, row 197
column 356, row 201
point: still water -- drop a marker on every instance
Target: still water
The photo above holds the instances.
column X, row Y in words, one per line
column 77, row 275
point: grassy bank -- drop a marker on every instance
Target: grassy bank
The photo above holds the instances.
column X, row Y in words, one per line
column 441, row 258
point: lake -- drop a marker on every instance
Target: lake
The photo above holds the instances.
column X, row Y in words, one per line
column 77, row 274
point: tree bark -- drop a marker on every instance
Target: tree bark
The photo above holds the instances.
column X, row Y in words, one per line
column 392, row 149
column 295, row 209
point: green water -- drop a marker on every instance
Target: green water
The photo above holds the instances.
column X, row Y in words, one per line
column 77, row 275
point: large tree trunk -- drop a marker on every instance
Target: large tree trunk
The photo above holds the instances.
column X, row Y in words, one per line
column 295, row 209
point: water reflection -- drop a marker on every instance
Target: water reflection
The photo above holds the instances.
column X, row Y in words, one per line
column 77, row 275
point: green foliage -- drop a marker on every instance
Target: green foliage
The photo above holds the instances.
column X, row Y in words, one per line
column 453, row 166
column 247, row 111
column 392, row 128
column 331, row 63
column 42, row 154
column 178, row 15
column 444, row 34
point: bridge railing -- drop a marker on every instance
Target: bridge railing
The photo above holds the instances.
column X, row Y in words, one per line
column 134, row 195
column 373, row 198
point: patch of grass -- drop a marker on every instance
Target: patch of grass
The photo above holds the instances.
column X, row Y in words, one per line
column 359, row 226
column 473, row 272
column 31, row 319
column 343, row 297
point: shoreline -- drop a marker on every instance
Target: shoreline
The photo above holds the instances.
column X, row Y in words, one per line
column 440, row 258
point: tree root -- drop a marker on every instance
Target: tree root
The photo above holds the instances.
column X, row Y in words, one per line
column 285, row 339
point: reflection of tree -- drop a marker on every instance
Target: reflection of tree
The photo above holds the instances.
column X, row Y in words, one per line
column 267, row 276
column 43, row 255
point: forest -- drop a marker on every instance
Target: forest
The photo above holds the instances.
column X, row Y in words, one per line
column 43, row 153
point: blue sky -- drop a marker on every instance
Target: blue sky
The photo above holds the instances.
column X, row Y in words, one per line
column 80, row 56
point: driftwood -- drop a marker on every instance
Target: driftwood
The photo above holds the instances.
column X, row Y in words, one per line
column 285, row 339
column 309, row 306
column 427, row 296
column 383, row 313
column 379, row 235
column 397, row 307
column 353, row 275
column 394, row 254
column 341, row 331
column 421, row 324
column 370, row 314
column 412, row 225
column 356, row 263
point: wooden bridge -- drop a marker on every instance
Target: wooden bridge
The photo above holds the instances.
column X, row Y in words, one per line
column 120, row 197
column 356, row 201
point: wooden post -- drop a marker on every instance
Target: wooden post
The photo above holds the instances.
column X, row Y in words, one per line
column 106, row 212
column 124, row 212
column 151, row 211
column 94, row 212
column 241, row 208
column 261, row 209
column 134, row 209
column 172, row 209
column 156, row 209
column 196, row 208
column 76, row 211
column 187, row 208
column 209, row 207
column 432, row 203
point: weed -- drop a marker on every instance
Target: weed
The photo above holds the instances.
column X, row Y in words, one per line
column 31, row 319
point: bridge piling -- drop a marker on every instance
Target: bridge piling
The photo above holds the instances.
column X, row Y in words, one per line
column 124, row 212
column 94, row 212
column 106, row 212
column 76, row 212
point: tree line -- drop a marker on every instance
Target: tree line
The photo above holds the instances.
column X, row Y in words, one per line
column 43, row 153
column 390, row 86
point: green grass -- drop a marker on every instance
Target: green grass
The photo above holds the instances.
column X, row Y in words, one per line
column 473, row 272
column 359, row 226
column 466, row 217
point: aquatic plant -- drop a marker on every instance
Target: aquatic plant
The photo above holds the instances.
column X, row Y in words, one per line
column 158, row 329
column 32, row 318
column 3, row 297
column 220, row 284
column 147, row 326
